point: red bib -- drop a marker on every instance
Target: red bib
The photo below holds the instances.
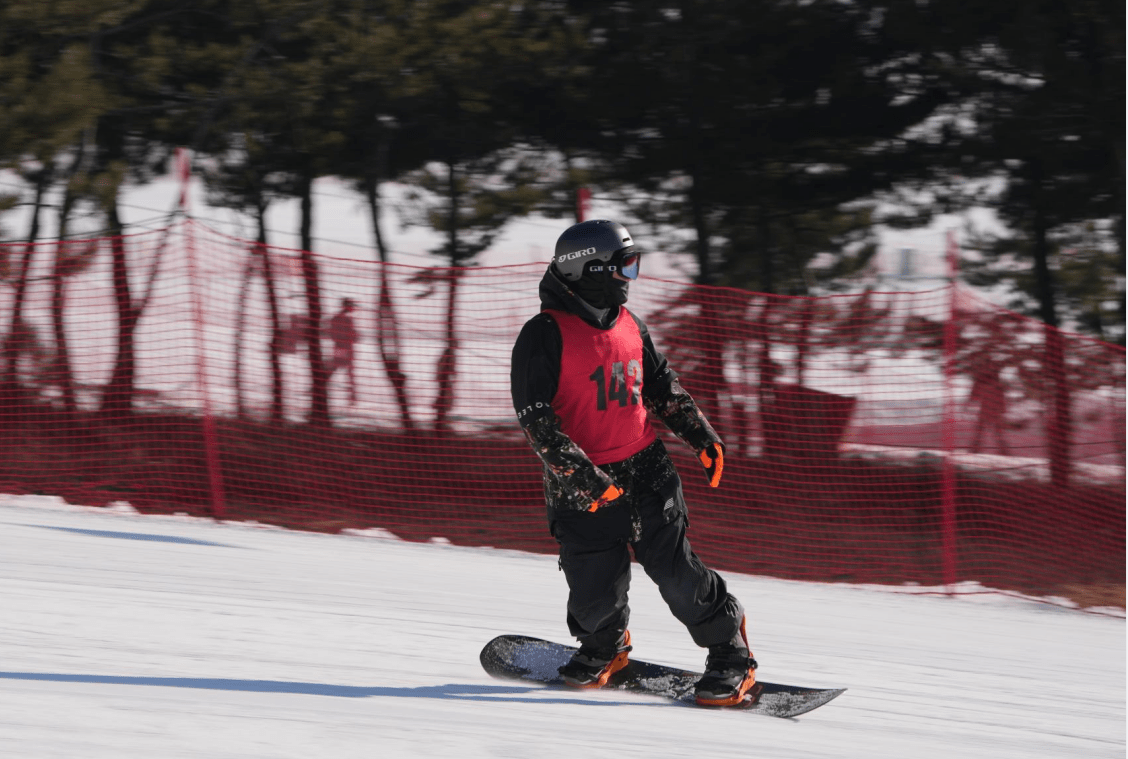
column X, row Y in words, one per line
column 599, row 396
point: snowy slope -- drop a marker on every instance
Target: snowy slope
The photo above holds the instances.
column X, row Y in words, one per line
column 127, row 636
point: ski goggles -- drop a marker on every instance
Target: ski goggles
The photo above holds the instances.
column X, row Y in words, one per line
column 627, row 266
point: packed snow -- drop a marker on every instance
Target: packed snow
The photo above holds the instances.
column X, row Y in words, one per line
column 124, row 635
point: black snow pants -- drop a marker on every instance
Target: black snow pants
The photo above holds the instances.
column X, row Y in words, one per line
column 595, row 555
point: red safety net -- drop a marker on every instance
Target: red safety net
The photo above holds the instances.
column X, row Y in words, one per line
column 926, row 438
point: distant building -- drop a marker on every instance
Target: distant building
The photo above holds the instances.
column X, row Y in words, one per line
column 905, row 269
column 909, row 268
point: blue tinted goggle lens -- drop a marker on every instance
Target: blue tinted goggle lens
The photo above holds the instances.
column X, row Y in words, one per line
column 629, row 267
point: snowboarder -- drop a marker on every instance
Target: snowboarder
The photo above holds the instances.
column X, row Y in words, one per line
column 585, row 371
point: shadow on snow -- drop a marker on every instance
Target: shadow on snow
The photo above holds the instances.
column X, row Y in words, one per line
column 132, row 535
column 463, row 692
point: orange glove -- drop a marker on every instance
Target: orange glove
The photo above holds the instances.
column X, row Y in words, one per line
column 610, row 494
column 713, row 459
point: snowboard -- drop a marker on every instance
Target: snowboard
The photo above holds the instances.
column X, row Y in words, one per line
column 519, row 657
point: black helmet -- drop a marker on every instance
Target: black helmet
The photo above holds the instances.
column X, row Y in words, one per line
column 584, row 246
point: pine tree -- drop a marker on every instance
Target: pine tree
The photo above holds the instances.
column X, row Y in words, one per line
column 49, row 97
column 1045, row 108
column 463, row 58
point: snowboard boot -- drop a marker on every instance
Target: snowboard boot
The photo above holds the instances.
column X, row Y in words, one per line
column 592, row 667
column 730, row 671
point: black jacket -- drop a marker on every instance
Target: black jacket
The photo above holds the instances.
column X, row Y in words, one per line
column 572, row 481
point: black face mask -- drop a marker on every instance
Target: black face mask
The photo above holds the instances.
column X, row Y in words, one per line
column 602, row 291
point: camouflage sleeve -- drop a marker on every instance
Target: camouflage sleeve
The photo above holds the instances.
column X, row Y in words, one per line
column 678, row 411
column 664, row 396
column 571, row 480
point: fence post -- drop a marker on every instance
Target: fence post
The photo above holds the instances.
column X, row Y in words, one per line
column 211, row 436
column 948, row 428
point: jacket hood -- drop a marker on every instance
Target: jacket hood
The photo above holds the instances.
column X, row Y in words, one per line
column 556, row 294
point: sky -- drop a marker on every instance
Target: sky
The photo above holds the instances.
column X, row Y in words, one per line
column 126, row 636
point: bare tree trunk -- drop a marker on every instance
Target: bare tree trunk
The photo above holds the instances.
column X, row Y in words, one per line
column 249, row 266
column 118, row 398
column 61, row 373
column 1059, row 430
column 61, row 366
column 319, row 380
column 387, row 326
column 277, row 388
column 447, row 366
column 804, row 345
column 766, row 376
column 16, row 341
column 711, row 375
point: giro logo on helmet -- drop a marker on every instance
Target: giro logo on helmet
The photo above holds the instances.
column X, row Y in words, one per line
column 575, row 254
